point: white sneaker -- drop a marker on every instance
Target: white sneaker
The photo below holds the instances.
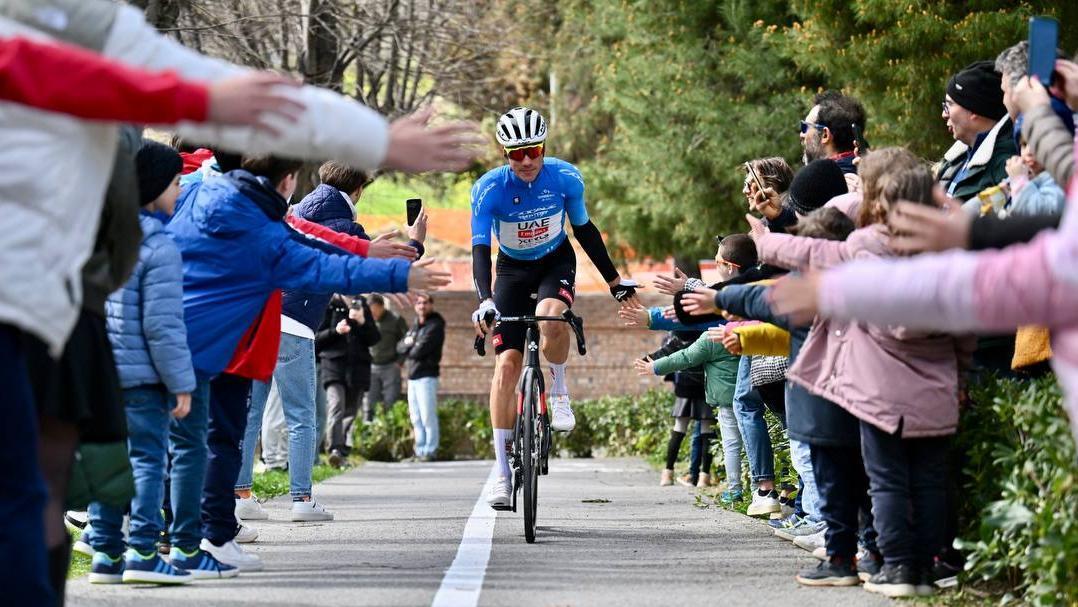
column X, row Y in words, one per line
column 75, row 520
column 248, row 509
column 811, row 542
column 561, row 413
column 245, row 534
column 763, row 505
column 498, row 498
column 230, row 553
column 310, row 511
column 83, row 548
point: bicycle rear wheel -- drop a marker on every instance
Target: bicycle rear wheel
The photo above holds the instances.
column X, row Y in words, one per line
column 531, row 453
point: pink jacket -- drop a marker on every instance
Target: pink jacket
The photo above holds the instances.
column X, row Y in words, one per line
column 1034, row 283
column 888, row 376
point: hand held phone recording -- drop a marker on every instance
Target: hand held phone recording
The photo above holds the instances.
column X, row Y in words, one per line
column 1043, row 38
column 415, row 206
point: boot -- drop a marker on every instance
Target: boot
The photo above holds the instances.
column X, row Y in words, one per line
column 667, row 478
column 704, row 480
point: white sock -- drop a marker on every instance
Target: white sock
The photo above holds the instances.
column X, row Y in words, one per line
column 502, row 436
column 557, row 376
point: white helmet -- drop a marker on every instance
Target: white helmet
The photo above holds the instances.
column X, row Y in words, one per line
column 521, row 126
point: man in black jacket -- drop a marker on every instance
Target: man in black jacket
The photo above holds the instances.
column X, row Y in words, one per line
column 343, row 342
column 422, row 351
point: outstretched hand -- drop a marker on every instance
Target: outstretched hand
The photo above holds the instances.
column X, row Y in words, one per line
column 644, row 366
column 417, row 147
column 757, row 229
column 422, row 277
column 250, row 98
column 635, row 315
column 383, row 247
column 916, row 228
column 796, row 296
column 670, row 285
column 700, row 302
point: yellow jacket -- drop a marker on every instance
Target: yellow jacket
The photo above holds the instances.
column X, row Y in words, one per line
column 763, row 339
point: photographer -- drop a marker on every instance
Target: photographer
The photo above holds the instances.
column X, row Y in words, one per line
column 343, row 344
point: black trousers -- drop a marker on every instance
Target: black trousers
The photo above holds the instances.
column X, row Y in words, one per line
column 843, row 488
column 229, row 398
column 908, row 485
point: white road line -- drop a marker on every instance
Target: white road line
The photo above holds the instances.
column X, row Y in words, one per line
column 464, row 580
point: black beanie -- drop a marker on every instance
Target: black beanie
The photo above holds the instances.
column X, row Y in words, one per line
column 815, row 184
column 157, row 165
column 976, row 88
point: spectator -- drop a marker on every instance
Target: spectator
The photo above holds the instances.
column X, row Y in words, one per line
column 976, row 117
column 1031, row 189
column 689, row 404
column 385, row 361
column 343, row 341
column 422, row 351
column 834, row 129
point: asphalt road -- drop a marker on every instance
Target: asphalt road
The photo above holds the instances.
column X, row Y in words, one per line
column 413, row 534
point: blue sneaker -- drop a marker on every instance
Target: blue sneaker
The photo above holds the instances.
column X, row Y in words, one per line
column 201, row 564
column 106, row 570
column 729, row 497
column 784, row 523
column 151, row 569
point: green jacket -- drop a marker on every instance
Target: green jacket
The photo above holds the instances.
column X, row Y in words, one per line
column 988, row 166
column 720, row 368
column 393, row 328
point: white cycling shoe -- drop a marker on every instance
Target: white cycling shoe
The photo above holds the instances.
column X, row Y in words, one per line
column 561, row 413
column 498, row 498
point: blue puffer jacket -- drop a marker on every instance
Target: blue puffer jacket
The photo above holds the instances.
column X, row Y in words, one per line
column 145, row 317
column 237, row 249
column 327, row 206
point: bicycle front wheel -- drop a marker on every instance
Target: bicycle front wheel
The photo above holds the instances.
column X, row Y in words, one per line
column 531, row 454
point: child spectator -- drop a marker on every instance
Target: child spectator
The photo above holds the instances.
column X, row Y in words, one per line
column 1032, row 190
column 689, row 404
column 145, row 327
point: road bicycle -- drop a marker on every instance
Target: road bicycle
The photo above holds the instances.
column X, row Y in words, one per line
column 531, row 434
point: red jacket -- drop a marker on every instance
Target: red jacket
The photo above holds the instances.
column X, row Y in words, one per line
column 62, row 78
column 256, row 354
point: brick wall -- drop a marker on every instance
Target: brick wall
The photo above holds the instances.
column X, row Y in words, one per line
column 607, row 368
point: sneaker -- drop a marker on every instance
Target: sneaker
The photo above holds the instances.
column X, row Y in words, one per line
column 686, row 481
column 776, row 522
column 835, row 571
column 704, row 480
column 764, row 503
column 806, row 527
column 201, row 564
column 820, row 553
column 666, row 479
column 230, row 553
column 731, row 496
column 925, row 585
column 894, row 581
column 248, row 509
column 868, row 564
column 309, row 511
column 561, row 413
column 811, row 542
column 105, row 569
column 245, row 534
column 498, row 498
column 75, row 520
column 944, row 574
column 786, row 504
column 336, row 458
column 83, row 548
column 151, row 569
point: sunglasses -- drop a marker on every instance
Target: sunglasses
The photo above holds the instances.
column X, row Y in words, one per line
column 518, row 154
column 816, row 125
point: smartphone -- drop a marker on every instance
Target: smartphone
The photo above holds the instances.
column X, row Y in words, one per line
column 755, row 177
column 415, row 206
column 1043, row 38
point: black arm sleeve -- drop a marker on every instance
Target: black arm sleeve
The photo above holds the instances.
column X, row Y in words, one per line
column 481, row 275
column 592, row 241
column 991, row 232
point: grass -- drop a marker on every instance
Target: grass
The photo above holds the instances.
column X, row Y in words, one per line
column 267, row 485
column 386, row 195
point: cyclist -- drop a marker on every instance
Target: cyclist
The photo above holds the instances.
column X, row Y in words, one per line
column 526, row 202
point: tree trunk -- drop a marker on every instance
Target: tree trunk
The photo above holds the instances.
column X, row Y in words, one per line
column 323, row 46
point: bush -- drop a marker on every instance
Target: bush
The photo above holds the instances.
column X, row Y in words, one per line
column 1020, row 500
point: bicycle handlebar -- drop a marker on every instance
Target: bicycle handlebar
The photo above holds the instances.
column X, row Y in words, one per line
column 574, row 321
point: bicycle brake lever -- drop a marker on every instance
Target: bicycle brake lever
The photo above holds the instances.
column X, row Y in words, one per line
column 480, row 345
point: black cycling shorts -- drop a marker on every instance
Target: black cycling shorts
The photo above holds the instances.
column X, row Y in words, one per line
column 519, row 285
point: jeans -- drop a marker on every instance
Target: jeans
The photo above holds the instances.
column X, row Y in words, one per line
column 908, row 484
column 23, row 561
column 731, row 447
column 342, row 406
column 423, row 409
column 229, row 395
column 274, row 433
column 843, row 491
column 294, row 377
column 801, row 457
column 187, row 438
column 148, row 411
column 749, row 408
column 385, row 386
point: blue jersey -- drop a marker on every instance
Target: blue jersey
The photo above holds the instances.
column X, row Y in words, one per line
column 529, row 218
